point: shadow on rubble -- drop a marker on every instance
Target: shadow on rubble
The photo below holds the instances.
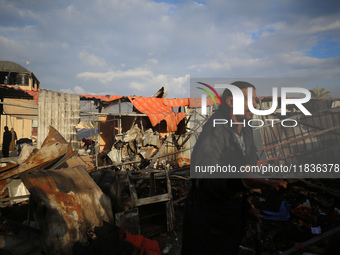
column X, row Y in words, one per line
column 104, row 240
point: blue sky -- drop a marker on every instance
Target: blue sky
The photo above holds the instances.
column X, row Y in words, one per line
column 134, row 47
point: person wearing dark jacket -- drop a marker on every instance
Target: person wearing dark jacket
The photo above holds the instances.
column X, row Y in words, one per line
column 216, row 208
column 6, row 141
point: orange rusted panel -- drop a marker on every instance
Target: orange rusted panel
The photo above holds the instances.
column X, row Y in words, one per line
column 7, row 167
column 68, row 204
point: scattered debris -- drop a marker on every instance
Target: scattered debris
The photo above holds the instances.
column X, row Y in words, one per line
column 134, row 147
column 82, row 206
column 53, row 152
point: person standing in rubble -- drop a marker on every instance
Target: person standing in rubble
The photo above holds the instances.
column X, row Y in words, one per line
column 13, row 141
column 217, row 209
column 88, row 143
column 6, row 141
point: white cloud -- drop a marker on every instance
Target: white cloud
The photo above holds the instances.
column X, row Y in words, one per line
column 174, row 85
column 77, row 90
column 326, row 27
column 137, row 86
column 112, row 75
column 139, row 46
column 91, row 59
column 153, row 61
column 69, row 91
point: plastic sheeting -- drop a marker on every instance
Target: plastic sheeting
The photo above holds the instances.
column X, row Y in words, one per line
column 16, row 188
column 107, row 98
column 197, row 102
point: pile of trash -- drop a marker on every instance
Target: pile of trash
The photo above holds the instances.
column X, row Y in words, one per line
column 67, row 212
column 302, row 219
column 134, row 149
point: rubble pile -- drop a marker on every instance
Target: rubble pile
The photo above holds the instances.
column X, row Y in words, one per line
column 302, row 219
column 113, row 210
column 71, row 206
column 136, row 147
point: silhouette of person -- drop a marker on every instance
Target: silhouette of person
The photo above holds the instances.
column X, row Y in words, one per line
column 6, row 141
column 13, row 141
column 216, row 208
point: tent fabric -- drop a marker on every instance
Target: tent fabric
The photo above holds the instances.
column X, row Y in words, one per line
column 176, row 102
column 157, row 110
column 197, row 102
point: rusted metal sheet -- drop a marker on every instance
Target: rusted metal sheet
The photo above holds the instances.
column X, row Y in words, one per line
column 54, row 149
column 87, row 161
column 8, row 166
column 3, row 189
column 68, row 204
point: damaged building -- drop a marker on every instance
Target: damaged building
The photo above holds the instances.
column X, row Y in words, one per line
column 125, row 195
column 19, row 87
column 131, row 143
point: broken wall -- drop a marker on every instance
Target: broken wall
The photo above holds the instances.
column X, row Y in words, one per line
column 60, row 110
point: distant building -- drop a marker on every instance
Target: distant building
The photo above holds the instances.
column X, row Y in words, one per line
column 13, row 74
column 22, row 119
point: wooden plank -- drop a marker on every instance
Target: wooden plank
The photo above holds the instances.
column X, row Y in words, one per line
column 8, row 167
column 132, row 188
column 180, row 199
column 154, row 199
column 169, row 205
column 159, row 151
column 152, row 186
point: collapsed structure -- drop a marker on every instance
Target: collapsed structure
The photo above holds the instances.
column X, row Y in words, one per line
column 139, row 166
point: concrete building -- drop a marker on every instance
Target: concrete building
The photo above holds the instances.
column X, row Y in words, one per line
column 13, row 74
column 17, row 109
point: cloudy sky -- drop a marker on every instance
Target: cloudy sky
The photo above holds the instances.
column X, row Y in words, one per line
column 134, row 47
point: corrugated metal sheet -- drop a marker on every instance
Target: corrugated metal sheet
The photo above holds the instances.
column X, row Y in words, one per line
column 68, row 205
column 157, row 110
column 60, row 110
